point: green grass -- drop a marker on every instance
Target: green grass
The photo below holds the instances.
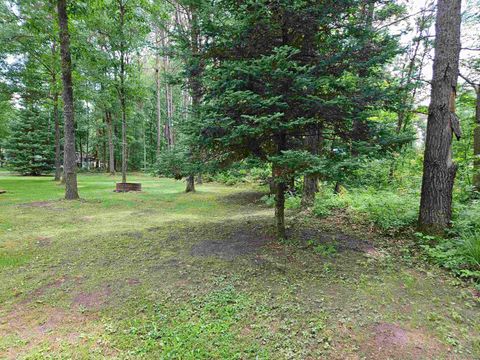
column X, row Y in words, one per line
column 117, row 276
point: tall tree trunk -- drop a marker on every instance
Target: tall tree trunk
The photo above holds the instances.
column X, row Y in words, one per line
column 190, row 184
column 70, row 166
column 111, row 149
column 313, row 143
column 87, row 139
column 58, row 148
column 194, row 77
column 438, row 167
column 123, row 106
column 168, row 131
column 104, row 152
column 56, row 117
column 280, row 188
column 280, row 210
column 476, row 135
column 476, row 143
column 157, row 83
column 80, row 147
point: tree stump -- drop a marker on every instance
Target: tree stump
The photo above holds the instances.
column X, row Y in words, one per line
column 127, row 187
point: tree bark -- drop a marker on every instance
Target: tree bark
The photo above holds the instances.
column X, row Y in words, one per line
column 111, row 149
column 157, row 83
column 310, row 182
column 123, row 105
column 194, row 80
column 476, row 143
column 280, row 188
column 70, row 166
column 190, row 184
column 80, row 148
column 168, row 129
column 56, row 117
column 58, row 149
column 438, row 167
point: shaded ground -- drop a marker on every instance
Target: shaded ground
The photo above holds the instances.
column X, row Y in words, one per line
column 239, row 242
column 163, row 274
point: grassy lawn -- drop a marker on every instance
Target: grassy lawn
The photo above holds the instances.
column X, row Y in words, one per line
column 164, row 274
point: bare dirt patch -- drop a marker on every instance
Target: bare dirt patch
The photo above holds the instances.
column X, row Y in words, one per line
column 390, row 341
column 133, row 282
column 38, row 204
column 239, row 242
column 92, row 300
column 55, row 284
column 40, row 325
column 44, row 241
column 52, row 285
column 50, row 205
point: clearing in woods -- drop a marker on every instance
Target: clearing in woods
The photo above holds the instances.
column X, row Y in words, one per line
column 164, row 274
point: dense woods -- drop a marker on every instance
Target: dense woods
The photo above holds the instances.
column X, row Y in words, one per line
column 367, row 110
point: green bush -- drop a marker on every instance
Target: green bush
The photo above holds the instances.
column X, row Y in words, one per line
column 466, row 218
column 472, row 248
column 269, row 200
column 293, row 202
column 458, row 256
column 327, row 201
column 242, row 174
column 386, row 209
column 460, row 253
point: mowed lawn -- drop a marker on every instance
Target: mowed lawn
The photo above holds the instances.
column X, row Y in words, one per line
column 166, row 275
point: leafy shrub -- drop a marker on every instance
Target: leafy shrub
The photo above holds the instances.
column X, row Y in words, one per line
column 460, row 253
column 456, row 255
column 269, row 200
column 324, row 249
column 472, row 248
column 327, row 201
column 242, row 174
column 385, row 209
column 467, row 218
column 293, row 202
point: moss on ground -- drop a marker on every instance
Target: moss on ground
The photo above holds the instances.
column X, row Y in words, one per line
column 164, row 274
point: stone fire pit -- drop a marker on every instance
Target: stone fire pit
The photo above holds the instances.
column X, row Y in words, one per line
column 126, row 187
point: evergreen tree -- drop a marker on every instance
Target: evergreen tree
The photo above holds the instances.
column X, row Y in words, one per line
column 283, row 69
column 30, row 149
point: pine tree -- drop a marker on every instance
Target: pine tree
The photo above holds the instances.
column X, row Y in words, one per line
column 30, row 148
column 281, row 70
